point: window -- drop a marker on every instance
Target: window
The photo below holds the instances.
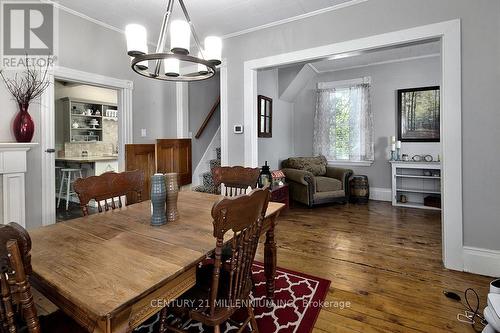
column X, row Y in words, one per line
column 343, row 124
column 265, row 114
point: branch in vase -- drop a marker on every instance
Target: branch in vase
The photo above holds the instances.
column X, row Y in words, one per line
column 28, row 87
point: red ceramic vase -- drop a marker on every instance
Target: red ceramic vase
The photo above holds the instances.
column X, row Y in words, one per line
column 23, row 125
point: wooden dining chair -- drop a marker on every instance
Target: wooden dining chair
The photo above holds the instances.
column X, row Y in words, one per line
column 224, row 287
column 18, row 312
column 236, row 179
column 109, row 187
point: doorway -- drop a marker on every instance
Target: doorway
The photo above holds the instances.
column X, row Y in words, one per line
column 451, row 129
column 86, row 139
column 50, row 151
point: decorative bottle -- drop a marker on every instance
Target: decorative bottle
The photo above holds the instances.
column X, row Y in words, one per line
column 172, row 196
column 158, row 196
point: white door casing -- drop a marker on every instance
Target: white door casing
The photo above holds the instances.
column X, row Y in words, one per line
column 451, row 111
column 47, row 140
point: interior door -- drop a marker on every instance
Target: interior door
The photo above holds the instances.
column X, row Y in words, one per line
column 174, row 155
column 141, row 157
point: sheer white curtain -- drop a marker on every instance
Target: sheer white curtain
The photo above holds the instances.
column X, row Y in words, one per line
column 343, row 123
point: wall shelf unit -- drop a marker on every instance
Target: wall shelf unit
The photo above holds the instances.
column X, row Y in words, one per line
column 418, row 182
column 83, row 119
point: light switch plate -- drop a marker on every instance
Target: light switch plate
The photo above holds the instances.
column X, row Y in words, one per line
column 144, row 133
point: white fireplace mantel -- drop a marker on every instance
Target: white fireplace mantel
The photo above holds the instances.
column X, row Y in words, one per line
column 12, row 170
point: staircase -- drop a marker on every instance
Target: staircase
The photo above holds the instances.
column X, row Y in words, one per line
column 207, row 180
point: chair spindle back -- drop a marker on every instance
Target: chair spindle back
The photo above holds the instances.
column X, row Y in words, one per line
column 244, row 216
column 236, row 179
column 108, row 187
column 16, row 298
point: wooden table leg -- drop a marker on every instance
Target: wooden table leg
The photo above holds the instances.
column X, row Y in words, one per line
column 270, row 260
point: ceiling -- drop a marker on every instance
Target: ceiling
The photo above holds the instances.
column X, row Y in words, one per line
column 377, row 56
column 210, row 17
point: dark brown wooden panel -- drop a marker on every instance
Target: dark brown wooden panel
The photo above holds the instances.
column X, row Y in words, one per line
column 174, row 155
column 141, row 157
column 165, row 155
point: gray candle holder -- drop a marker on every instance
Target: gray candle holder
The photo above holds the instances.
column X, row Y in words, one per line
column 393, row 155
column 158, row 199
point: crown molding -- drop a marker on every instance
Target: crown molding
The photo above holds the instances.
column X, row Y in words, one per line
column 432, row 55
column 295, row 18
column 233, row 34
column 83, row 16
column 88, row 18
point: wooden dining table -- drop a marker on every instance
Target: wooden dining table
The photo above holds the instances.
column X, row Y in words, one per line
column 112, row 271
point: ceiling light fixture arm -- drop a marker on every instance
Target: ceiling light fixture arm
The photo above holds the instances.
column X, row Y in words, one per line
column 191, row 25
column 160, row 46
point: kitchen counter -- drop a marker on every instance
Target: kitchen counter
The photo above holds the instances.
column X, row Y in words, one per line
column 88, row 159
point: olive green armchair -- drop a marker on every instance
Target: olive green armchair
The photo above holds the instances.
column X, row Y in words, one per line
column 313, row 182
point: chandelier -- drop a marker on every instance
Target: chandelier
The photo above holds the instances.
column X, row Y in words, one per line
column 166, row 65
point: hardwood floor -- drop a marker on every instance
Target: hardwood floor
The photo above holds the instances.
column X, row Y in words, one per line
column 385, row 261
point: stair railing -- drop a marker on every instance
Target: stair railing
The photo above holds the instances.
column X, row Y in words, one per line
column 207, row 119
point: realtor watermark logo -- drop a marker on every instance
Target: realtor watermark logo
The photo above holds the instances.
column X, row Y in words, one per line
column 28, row 33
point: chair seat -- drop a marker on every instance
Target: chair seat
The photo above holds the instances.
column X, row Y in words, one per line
column 326, row 184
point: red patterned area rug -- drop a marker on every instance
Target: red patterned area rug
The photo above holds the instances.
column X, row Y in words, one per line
column 298, row 300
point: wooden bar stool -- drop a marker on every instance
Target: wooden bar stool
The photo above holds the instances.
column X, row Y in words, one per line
column 68, row 176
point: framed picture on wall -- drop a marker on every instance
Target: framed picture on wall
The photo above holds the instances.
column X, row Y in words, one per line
column 419, row 114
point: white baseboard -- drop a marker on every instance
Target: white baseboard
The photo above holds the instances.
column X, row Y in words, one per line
column 380, row 194
column 481, row 261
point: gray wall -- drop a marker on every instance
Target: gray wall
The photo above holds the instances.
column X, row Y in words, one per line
column 88, row 47
column 202, row 95
column 280, row 145
column 480, row 83
column 386, row 79
column 286, row 76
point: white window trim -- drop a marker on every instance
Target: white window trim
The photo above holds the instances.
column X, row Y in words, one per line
column 344, row 83
column 354, row 163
